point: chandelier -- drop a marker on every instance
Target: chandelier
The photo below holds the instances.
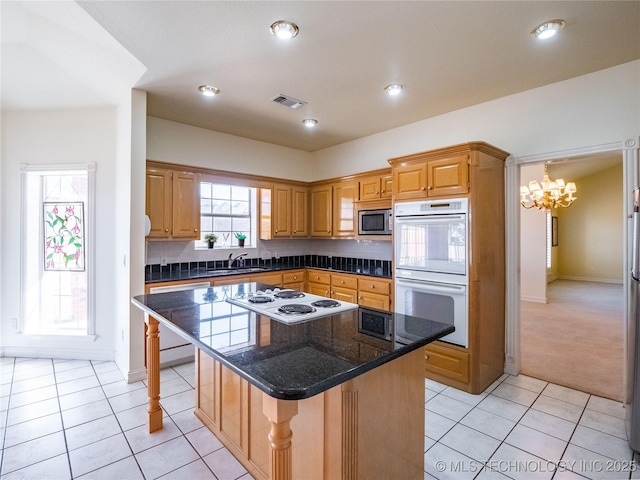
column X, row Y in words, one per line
column 552, row 193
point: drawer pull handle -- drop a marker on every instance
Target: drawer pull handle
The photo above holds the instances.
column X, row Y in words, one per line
column 342, row 281
column 166, row 229
column 195, row 229
column 373, row 286
column 426, row 357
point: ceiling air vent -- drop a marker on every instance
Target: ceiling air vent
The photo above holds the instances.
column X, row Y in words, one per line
column 288, row 101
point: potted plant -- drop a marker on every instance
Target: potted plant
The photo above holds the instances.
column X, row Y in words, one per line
column 241, row 238
column 210, row 239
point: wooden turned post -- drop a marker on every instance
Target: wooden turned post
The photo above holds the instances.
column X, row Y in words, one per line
column 280, row 413
column 153, row 375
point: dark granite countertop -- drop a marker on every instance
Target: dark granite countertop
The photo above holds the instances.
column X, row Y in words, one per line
column 197, row 273
column 288, row 361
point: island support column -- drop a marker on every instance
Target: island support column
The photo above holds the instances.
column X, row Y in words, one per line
column 153, row 374
column 280, row 413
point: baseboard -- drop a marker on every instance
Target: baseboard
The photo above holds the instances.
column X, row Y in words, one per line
column 63, row 353
column 591, row 279
column 533, row 299
column 130, row 376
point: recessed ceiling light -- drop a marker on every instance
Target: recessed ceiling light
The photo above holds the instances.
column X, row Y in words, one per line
column 284, row 29
column 309, row 122
column 548, row 29
column 208, row 90
column 394, row 89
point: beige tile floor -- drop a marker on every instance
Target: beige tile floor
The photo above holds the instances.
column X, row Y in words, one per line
column 64, row 419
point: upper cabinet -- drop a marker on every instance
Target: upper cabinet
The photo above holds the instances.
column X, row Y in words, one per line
column 376, row 187
column 284, row 212
column 344, row 196
column 173, row 204
column 332, row 209
column 430, row 175
column 320, row 210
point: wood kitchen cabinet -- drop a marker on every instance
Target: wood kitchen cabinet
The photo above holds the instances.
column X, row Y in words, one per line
column 344, row 196
column 418, row 176
column 320, row 210
column 294, row 280
column 376, row 187
column 319, row 282
column 332, row 209
column 474, row 171
column 173, row 204
column 344, row 287
column 283, row 212
column 374, row 292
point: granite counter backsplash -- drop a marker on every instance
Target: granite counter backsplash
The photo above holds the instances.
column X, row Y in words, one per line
column 188, row 270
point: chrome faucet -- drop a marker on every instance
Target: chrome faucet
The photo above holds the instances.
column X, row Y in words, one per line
column 237, row 258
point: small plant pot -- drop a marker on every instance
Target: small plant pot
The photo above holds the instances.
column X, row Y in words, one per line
column 210, row 244
column 241, row 242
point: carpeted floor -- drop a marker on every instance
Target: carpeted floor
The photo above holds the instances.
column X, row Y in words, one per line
column 576, row 339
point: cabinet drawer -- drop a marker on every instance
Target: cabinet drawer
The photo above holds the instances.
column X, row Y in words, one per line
column 383, row 287
column 344, row 281
column 316, row 276
column 293, row 277
column 319, row 289
column 447, row 361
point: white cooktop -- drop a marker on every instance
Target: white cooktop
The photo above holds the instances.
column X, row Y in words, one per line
column 314, row 306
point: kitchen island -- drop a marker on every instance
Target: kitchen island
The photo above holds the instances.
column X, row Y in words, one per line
column 340, row 396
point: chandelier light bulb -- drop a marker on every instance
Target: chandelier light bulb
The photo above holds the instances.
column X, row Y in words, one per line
column 548, row 193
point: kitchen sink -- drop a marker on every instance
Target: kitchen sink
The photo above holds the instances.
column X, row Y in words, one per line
column 227, row 271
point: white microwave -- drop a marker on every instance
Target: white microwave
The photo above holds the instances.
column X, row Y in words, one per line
column 375, row 222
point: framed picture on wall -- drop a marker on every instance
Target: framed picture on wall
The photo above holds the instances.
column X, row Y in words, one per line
column 554, row 231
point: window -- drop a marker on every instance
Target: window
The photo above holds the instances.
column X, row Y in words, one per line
column 57, row 297
column 226, row 210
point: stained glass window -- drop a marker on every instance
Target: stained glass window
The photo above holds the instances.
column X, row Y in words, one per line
column 64, row 236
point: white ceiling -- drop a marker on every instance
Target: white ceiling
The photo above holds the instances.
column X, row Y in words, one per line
column 449, row 54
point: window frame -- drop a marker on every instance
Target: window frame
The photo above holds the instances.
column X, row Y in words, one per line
column 252, row 238
column 89, row 244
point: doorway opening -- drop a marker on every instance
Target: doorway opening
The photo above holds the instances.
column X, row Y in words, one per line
column 572, row 314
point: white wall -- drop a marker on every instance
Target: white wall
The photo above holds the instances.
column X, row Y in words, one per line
column 590, row 110
column 533, row 244
column 46, row 138
column 178, row 143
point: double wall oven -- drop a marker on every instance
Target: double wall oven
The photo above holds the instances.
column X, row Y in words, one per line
column 431, row 263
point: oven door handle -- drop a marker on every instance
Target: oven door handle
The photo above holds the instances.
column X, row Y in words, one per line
column 428, row 219
column 432, row 286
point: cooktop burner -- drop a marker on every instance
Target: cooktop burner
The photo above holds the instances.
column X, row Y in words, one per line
column 260, row 299
column 288, row 294
column 296, row 309
column 325, row 303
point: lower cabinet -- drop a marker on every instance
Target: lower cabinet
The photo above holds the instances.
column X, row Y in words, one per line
column 447, row 361
column 319, row 282
column 294, row 280
column 344, row 287
column 363, row 428
column 374, row 293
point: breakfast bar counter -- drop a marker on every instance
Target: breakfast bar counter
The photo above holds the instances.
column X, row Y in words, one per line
column 341, row 396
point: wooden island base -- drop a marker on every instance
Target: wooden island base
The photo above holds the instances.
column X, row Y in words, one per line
column 370, row 427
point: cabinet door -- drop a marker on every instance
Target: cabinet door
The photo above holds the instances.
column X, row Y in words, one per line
column 370, row 188
column 344, row 196
column 186, row 205
column 374, row 300
column 410, row 181
column 299, row 215
column 386, row 186
column 274, row 279
column 319, row 289
column 344, row 294
column 281, row 221
column 448, row 176
column 321, row 211
column 158, row 202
